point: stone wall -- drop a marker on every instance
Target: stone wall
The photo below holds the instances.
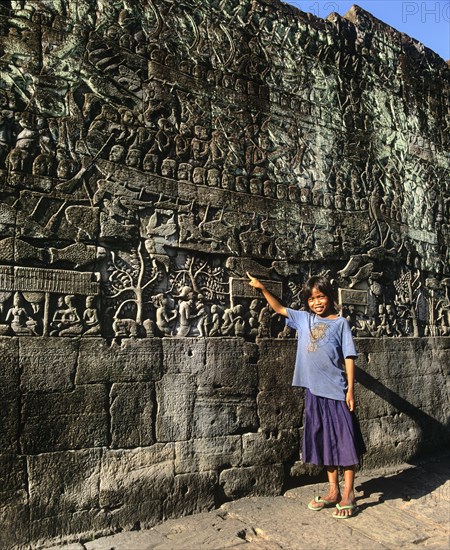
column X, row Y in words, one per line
column 151, row 153
column 165, row 427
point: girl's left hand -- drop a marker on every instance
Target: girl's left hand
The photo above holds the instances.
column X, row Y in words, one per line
column 350, row 400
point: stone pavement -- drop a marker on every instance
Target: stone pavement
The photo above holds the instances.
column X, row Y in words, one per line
column 407, row 508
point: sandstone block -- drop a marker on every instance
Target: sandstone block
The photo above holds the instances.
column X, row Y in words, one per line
column 276, row 363
column 184, row 355
column 199, row 455
column 252, row 481
column 191, row 493
column 280, row 409
column 86, row 524
column 48, row 364
column 228, row 367
column 9, row 422
column 14, row 509
column 134, row 483
column 9, row 368
column 131, row 410
column 135, row 361
column 175, row 395
column 64, row 496
column 270, row 448
column 59, row 421
column 64, row 482
column 223, row 415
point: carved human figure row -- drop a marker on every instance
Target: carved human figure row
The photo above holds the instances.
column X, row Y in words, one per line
column 189, row 314
column 25, row 314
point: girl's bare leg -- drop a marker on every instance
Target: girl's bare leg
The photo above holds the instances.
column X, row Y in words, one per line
column 348, row 495
column 334, row 493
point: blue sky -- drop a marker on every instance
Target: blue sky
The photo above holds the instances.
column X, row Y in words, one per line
column 428, row 22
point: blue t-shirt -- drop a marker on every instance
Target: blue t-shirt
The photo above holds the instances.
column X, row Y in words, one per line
column 322, row 346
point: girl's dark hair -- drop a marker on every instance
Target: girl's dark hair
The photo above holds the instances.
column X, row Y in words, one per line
column 323, row 284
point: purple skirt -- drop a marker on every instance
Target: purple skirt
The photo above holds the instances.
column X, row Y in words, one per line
column 331, row 433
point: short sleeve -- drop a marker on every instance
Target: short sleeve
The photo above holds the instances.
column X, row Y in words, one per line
column 295, row 318
column 348, row 345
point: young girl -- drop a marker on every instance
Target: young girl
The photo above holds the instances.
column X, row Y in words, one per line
column 325, row 367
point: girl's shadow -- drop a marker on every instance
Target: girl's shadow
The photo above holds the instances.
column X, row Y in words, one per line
column 412, row 484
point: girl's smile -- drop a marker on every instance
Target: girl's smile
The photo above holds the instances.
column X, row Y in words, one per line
column 319, row 303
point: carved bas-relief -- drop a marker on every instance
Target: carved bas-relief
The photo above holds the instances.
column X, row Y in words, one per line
column 155, row 142
column 151, row 154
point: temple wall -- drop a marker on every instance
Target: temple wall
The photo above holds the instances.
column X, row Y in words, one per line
column 151, row 153
column 163, row 427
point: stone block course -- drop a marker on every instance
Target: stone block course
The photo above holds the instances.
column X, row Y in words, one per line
column 275, row 367
column 14, row 501
column 64, row 494
column 191, row 493
column 9, row 368
column 223, row 415
column 184, row 356
column 270, row 448
column 48, row 364
column 134, row 484
column 228, row 367
column 280, row 409
column 132, row 409
column 134, row 361
column 65, row 421
column 198, row 455
column 104, row 457
column 252, row 481
column 175, row 395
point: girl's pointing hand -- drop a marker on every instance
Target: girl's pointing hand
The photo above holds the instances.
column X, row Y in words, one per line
column 254, row 282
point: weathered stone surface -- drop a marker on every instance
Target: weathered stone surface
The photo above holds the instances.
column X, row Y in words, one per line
column 227, row 367
column 134, row 483
column 208, row 454
column 48, row 364
column 252, row 481
column 186, row 355
column 221, row 414
column 266, row 448
column 280, row 409
column 133, row 361
column 14, row 509
column 64, row 497
column 151, row 153
column 64, row 482
column 191, row 493
column 9, row 422
column 132, row 407
column 9, row 368
column 275, row 366
column 175, row 395
column 64, row 421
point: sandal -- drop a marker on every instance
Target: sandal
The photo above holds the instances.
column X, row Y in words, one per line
column 352, row 507
column 319, row 500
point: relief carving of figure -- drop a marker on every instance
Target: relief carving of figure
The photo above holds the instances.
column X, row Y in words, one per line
column 187, row 316
column 165, row 314
column 21, row 323
column 66, row 321
column 90, row 318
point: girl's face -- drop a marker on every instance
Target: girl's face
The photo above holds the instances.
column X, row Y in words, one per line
column 319, row 303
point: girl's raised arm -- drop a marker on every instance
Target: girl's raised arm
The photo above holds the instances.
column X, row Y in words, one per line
column 271, row 300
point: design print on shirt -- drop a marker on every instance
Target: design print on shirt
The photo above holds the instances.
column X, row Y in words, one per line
column 317, row 333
